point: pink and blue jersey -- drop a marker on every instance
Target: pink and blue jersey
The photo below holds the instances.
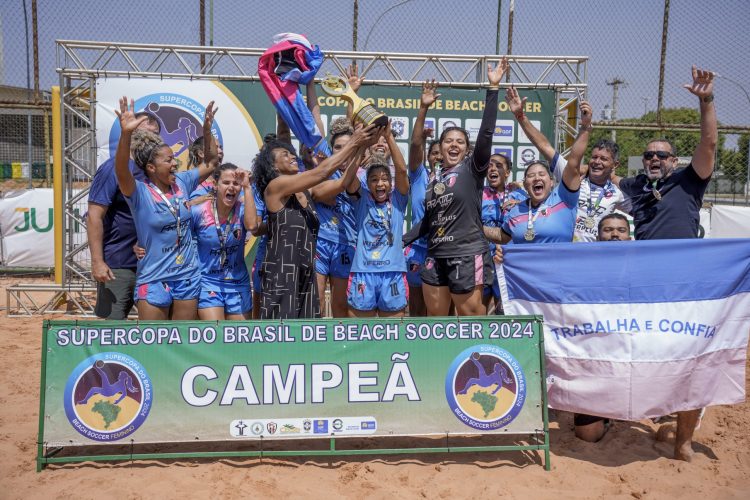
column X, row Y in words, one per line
column 157, row 230
column 380, row 227
column 231, row 274
column 553, row 221
column 204, row 188
column 492, row 207
column 337, row 221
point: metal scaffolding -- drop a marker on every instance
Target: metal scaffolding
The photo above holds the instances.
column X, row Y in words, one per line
column 81, row 63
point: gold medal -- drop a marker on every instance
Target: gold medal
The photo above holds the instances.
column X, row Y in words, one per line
column 590, row 222
column 180, row 259
column 439, row 188
column 334, row 220
column 656, row 194
column 529, row 235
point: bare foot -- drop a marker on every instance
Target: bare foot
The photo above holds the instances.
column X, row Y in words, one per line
column 684, row 452
column 666, row 432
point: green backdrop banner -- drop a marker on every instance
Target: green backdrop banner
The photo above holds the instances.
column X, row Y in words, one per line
column 456, row 107
column 123, row 382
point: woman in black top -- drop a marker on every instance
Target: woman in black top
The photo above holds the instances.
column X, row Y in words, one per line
column 288, row 270
column 458, row 266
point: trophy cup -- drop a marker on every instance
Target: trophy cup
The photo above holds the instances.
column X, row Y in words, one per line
column 363, row 111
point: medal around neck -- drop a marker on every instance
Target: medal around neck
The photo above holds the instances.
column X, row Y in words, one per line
column 529, row 235
column 590, row 222
column 363, row 111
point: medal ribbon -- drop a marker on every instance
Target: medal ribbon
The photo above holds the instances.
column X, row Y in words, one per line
column 173, row 209
column 223, row 231
column 532, row 218
column 387, row 220
column 591, row 209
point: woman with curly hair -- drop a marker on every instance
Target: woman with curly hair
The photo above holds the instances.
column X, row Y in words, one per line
column 288, row 270
column 168, row 278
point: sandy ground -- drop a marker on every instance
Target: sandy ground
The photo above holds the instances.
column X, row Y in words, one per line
column 627, row 463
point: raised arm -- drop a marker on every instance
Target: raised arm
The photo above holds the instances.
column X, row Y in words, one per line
column 286, row 185
column 516, row 106
column 483, row 145
column 314, row 107
column 355, row 82
column 326, row 192
column 402, row 175
column 416, row 147
column 571, row 176
column 250, row 219
column 128, row 124
column 283, row 132
column 705, row 152
column 210, row 146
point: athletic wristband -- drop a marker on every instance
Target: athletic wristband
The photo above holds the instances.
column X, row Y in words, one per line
column 708, row 98
column 493, row 87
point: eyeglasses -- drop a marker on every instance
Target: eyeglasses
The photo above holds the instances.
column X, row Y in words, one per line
column 662, row 155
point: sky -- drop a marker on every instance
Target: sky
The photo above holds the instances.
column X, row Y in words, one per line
column 621, row 38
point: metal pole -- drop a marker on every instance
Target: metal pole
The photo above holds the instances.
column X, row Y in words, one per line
column 497, row 32
column 202, row 30
column 35, row 43
column 28, row 87
column 355, row 25
column 211, row 22
column 511, row 13
column 663, row 61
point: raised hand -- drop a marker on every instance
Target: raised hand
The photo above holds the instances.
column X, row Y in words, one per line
column 428, row 133
column 243, row 177
column 365, row 136
column 586, row 114
column 352, row 76
column 429, row 93
column 703, row 83
column 210, row 147
column 495, row 75
column 515, row 103
column 126, row 114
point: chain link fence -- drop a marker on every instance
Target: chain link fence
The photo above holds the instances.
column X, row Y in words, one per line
column 623, row 41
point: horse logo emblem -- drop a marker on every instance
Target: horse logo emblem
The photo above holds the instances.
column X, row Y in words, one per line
column 108, row 396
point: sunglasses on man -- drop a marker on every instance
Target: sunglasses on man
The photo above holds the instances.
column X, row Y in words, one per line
column 662, row 155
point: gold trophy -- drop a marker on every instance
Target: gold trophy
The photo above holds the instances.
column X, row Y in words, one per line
column 364, row 112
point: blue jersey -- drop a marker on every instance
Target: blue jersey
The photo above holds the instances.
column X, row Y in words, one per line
column 337, row 221
column 553, row 221
column 204, row 188
column 377, row 252
column 232, row 273
column 492, row 207
column 418, row 181
column 157, row 230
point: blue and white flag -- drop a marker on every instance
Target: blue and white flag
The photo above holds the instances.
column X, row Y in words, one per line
column 636, row 329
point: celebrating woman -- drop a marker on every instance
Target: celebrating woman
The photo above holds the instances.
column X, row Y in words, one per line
column 458, row 266
column 220, row 225
column 288, row 272
column 167, row 277
column 549, row 214
column 377, row 283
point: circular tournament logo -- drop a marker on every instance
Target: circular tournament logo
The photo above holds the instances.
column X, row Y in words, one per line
column 180, row 119
column 108, row 396
column 485, row 387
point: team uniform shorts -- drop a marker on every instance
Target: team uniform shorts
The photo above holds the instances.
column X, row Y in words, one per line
column 415, row 257
column 386, row 291
column 459, row 274
column 232, row 301
column 163, row 293
column 333, row 259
